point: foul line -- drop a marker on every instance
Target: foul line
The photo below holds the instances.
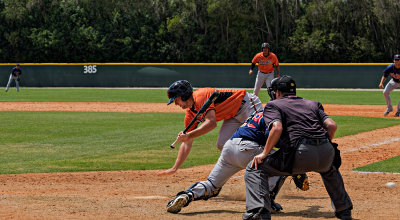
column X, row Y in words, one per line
column 372, row 145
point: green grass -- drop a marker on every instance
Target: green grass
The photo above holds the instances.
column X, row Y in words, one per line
column 160, row 95
column 389, row 165
column 33, row 142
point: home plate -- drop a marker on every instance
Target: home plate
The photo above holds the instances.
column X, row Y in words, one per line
column 149, row 197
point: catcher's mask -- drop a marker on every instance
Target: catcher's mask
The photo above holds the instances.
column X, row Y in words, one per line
column 285, row 84
column 180, row 88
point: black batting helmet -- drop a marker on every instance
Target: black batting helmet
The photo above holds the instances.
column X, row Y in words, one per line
column 265, row 45
column 285, row 84
column 180, row 88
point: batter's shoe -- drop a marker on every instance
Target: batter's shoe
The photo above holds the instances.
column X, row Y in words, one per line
column 175, row 205
column 258, row 214
column 344, row 214
column 397, row 114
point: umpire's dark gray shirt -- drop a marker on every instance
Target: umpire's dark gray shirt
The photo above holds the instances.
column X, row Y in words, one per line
column 299, row 117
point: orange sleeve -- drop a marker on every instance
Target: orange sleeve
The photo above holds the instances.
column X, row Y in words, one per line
column 200, row 96
column 256, row 58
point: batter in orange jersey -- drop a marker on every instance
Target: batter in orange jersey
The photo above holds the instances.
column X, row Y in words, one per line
column 232, row 107
column 267, row 63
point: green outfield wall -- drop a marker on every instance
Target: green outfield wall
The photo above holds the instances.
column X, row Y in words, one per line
column 231, row 75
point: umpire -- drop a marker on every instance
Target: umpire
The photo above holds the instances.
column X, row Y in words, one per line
column 304, row 132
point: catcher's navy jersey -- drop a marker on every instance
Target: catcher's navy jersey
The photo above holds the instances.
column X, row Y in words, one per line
column 253, row 130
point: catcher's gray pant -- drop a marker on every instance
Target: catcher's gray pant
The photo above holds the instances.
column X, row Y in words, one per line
column 392, row 85
column 307, row 158
column 250, row 104
column 235, row 156
column 261, row 79
column 10, row 80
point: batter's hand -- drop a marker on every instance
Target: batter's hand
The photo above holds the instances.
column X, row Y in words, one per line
column 166, row 172
column 182, row 137
column 257, row 160
column 381, row 86
column 250, row 72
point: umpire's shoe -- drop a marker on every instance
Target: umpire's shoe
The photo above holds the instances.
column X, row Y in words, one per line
column 257, row 214
column 181, row 200
column 344, row 214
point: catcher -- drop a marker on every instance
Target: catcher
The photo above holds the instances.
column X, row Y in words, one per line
column 15, row 75
column 246, row 142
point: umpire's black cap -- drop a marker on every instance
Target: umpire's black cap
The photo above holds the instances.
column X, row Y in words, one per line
column 285, row 84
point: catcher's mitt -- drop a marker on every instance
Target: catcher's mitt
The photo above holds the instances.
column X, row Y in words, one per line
column 301, row 181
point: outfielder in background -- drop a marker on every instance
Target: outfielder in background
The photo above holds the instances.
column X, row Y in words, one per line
column 15, row 75
column 267, row 63
column 238, row 151
column 394, row 71
column 231, row 106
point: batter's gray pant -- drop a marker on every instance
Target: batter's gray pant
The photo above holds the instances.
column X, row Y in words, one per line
column 235, row 156
column 10, row 80
column 261, row 79
column 251, row 104
column 307, row 158
column 392, row 85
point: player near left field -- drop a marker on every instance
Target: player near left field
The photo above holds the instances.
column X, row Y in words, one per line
column 15, row 74
column 394, row 71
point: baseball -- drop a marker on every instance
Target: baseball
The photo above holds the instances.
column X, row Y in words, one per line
column 390, row 184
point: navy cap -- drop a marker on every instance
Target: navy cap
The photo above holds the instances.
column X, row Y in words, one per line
column 397, row 57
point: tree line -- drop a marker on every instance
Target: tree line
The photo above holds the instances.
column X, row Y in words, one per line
column 209, row 31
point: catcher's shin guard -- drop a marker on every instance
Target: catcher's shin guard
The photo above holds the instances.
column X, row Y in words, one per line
column 203, row 190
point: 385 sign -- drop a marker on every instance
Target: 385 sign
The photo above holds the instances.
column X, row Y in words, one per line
column 89, row 69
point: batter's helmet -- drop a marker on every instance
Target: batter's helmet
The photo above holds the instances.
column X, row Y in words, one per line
column 265, row 45
column 285, row 84
column 180, row 88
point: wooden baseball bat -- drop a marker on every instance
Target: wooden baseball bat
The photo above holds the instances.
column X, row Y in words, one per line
column 203, row 108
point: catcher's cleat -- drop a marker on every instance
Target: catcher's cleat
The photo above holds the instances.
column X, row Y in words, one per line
column 397, row 114
column 175, row 205
column 301, row 181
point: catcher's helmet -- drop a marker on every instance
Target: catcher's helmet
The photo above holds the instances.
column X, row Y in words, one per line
column 285, row 84
column 264, row 45
column 180, row 88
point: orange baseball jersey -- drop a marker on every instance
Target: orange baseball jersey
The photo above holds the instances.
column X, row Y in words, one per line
column 226, row 105
column 266, row 64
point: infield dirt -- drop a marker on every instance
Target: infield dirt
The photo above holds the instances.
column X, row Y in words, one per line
column 143, row 195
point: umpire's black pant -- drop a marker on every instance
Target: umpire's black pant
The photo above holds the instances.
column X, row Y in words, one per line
column 309, row 157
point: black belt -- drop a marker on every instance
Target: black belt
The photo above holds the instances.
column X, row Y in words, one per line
column 266, row 73
column 314, row 141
